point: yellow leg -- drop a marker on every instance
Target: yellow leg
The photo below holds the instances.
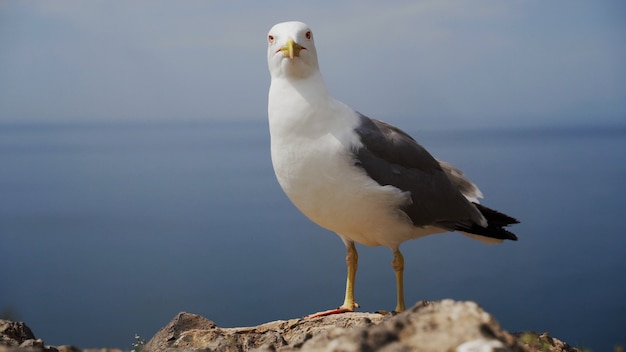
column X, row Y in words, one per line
column 352, row 261
column 398, row 267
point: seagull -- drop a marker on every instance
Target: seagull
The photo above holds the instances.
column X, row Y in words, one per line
column 364, row 179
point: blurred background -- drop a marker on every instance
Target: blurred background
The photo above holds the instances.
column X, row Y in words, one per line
column 136, row 182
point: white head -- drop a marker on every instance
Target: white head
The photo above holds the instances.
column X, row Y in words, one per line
column 291, row 51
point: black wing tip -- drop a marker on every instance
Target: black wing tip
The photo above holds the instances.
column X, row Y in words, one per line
column 509, row 235
column 491, row 231
column 496, row 223
column 495, row 217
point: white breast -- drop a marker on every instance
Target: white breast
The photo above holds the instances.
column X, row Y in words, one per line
column 320, row 177
column 312, row 139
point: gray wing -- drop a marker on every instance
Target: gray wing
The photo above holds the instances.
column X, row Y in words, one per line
column 392, row 157
column 461, row 182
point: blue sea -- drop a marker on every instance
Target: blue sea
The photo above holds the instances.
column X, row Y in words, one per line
column 110, row 229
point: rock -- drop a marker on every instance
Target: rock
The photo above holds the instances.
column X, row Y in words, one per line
column 12, row 333
column 17, row 336
column 190, row 332
column 68, row 348
column 543, row 342
column 428, row 326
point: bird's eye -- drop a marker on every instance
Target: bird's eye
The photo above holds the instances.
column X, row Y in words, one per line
column 308, row 35
column 270, row 38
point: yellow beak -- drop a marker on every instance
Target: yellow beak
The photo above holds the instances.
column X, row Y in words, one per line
column 291, row 49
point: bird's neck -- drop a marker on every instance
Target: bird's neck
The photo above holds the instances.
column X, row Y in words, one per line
column 310, row 90
column 299, row 104
column 303, row 108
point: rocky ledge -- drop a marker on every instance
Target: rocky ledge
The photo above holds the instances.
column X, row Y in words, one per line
column 428, row 326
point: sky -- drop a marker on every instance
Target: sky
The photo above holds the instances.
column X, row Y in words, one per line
column 436, row 63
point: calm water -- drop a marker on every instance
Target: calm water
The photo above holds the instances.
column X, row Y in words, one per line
column 107, row 230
